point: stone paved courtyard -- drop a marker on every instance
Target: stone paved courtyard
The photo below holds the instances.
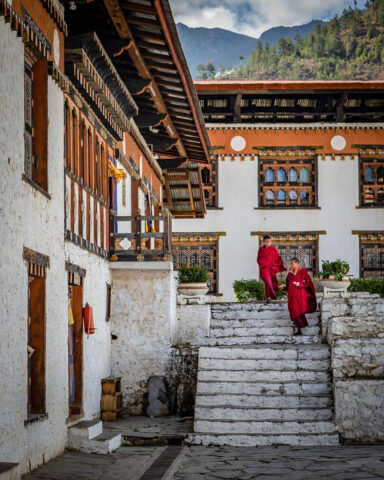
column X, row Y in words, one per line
column 222, row 463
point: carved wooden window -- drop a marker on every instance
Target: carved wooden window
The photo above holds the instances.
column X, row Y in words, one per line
column 209, row 179
column 372, row 182
column 197, row 250
column 288, row 182
column 37, row 265
column 82, row 150
column 372, row 259
column 36, row 121
column 304, row 247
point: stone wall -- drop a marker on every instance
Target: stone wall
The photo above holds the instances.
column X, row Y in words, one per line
column 354, row 328
column 143, row 323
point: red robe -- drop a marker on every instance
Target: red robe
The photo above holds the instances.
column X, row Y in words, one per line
column 270, row 263
column 302, row 299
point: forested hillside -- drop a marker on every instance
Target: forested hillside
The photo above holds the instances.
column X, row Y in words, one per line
column 351, row 46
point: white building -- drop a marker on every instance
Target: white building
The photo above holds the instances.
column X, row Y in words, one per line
column 288, row 164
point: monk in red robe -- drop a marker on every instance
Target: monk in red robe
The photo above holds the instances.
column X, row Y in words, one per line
column 301, row 295
column 270, row 264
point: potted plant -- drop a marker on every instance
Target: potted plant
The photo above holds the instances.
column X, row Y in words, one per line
column 333, row 275
column 193, row 280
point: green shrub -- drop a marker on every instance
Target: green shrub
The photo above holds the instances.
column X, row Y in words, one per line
column 338, row 268
column 253, row 290
column 193, row 274
column 371, row 285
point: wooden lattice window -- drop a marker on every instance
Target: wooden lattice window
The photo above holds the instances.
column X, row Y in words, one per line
column 209, row 179
column 197, row 250
column 302, row 245
column 372, row 182
column 372, row 259
column 287, row 183
column 37, row 265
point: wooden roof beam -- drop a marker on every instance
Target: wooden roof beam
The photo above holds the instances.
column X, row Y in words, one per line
column 124, row 31
column 137, row 7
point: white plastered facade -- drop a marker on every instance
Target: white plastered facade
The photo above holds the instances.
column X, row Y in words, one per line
column 28, row 218
column 238, row 216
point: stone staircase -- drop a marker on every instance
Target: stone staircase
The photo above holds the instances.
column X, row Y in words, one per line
column 87, row 436
column 258, row 384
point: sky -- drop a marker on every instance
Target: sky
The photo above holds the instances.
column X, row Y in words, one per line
column 253, row 17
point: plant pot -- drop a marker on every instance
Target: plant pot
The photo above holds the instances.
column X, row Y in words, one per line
column 193, row 289
column 332, row 284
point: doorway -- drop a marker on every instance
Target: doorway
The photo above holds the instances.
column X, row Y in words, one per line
column 75, row 345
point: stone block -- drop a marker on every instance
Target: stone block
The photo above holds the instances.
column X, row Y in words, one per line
column 359, row 409
column 358, row 357
column 356, row 327
column 193, row 323
column 158, row 397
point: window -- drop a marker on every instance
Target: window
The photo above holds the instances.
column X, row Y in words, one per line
column 209, row 179
column 292, row 176
column 82, row 147
column 281, row 175
column 36, row 122
column 287, row 183
column 372, row 258
column 304, row 175
column 269, row 176
column 200, row 249
column 281, row 197
column 270, row 197
column 36, row 268
column 89, row 157
column 290, row 245
column 369, row 175
column 108, row 303
column 372, row 182
column 292, row 197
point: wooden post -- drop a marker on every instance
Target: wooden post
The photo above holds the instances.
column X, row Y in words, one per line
column 138, row 232
column 111, row 233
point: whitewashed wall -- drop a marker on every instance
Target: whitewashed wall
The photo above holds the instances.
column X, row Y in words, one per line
column 96, row 347
column 338, row 193
column 143, row 321
column 28, row 218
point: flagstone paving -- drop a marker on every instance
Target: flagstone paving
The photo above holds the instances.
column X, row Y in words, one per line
column 222, row 463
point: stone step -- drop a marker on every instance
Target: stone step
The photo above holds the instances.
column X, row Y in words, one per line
column 259, row 364
column 263, row 376
column 259, row 339
column 259, row 322
column 264, row 401
column 268, row 428
column 263, row 440
column 9, row 471
column 220, row 332
column 102, row 444
column 273, row 351
column 263, row 414
column 265, row 388
column 85, row 430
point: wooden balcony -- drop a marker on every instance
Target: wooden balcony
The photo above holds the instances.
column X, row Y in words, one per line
column 131, row 241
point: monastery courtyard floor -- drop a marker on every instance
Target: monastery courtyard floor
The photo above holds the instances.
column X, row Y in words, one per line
column 217, row 463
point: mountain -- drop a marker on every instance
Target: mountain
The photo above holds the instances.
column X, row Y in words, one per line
column 216, row 45
column 349, row 46
column 223, row 47
column 274, row 34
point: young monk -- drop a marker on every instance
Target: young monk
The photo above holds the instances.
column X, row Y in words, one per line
column 301, row 295
column 270, row 264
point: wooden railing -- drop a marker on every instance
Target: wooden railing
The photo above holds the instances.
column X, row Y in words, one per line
column 139, row 244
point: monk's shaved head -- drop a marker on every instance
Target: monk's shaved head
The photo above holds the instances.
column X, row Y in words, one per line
column 295, row 259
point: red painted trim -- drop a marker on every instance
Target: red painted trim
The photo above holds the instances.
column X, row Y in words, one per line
column 250, row 85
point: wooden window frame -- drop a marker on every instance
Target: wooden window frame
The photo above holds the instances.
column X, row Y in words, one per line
column 36, row 130
column 310, row 163
column 365, row 271
column 37, row 265
column 108, row 303
column 375, row 162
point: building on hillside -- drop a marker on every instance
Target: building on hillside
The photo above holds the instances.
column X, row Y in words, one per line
column 300, row 161
column 98, row 112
